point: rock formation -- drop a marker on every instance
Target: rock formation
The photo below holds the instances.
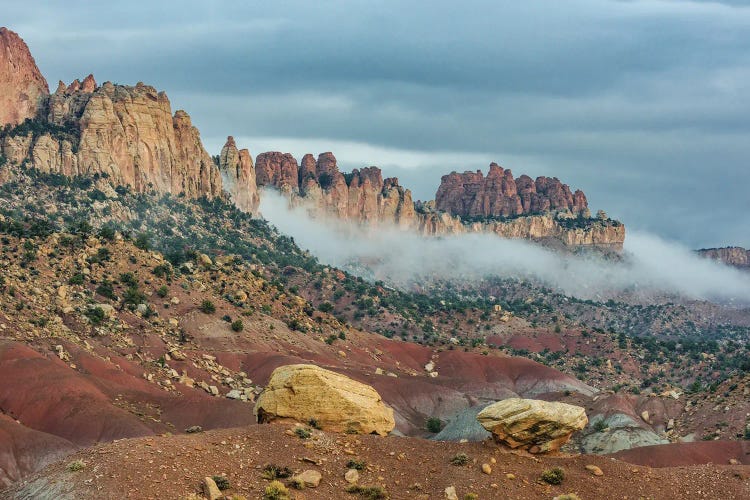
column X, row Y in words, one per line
column 338, row 403
column 361, row 196
column 731, row 256
column 238, row 176
column 23, row 89
column 499, row 195
column 535, row 425
column 125, row 133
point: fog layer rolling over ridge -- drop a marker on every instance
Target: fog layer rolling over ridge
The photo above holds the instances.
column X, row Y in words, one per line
column 400, row 257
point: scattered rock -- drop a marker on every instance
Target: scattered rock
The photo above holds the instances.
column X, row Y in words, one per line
column 352, row 476
column 311, row 478
column 193, row 429
column 487, row 469
column 450, row 493
column 210, row 490
column 594, row 470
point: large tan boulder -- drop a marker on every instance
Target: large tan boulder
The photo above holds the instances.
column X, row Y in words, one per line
column 339, row 404
column 534, row 425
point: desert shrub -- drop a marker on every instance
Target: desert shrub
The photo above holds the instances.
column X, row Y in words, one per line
column 76, row 279
column 238, row 326
column 208, row 307
column 356, row 464
column 313, row 422
column 368, row 492
column 302, row 432
column 221, row 482
column 460, row 459
column 275, row 491
column 554, row 475
column 96, row 315
column 162, row 291
column 133, row 296
column 297, row 483
column 76, row 465
column 325, row 307
column 434, row 425
column 273, row 471
column 128, row 279
column 105, row 289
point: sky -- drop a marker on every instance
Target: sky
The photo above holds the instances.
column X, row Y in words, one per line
column 642, row 104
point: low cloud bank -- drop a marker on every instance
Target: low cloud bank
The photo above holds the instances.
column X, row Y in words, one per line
column 650, row 265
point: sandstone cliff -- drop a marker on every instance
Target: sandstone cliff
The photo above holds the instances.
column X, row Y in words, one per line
column 471, row 195
column 238, row 176
column 731, row 256
column 361, row 196
column 22, row 86
column 128, row 134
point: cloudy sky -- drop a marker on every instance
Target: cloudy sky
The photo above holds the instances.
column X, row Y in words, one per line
column 644, row 104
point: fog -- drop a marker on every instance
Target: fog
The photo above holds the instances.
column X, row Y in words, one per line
column 650, row 265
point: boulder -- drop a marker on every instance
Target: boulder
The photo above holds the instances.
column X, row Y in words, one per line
column 338, row 403
column 534, row 425
column 311, row 478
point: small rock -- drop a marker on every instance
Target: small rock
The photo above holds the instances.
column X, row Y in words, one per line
column 214, row 390
column 594, row 470
column 450, row 493
column 352, row 476
column 310, row 477
column 510, row 476
column 193, row 429
column 645, row 415
column 734, row 461
column 487, row 469
column 210, row 490
column 234, row 394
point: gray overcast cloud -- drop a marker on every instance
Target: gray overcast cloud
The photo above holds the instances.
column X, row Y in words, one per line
column 643, row 104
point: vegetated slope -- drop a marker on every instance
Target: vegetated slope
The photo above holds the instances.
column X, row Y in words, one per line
column 156, row 313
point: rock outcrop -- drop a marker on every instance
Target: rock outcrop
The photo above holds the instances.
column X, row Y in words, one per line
column 535, row 425
column 127, row 134
column 338, row 403
column 731, row 256
column 471, row 195
column 238, row 176
column 361, row 196
column 23, row 89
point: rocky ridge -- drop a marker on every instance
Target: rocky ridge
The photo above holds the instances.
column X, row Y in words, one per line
column 129, row 135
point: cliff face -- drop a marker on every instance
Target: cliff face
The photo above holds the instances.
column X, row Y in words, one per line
column 361, row 196
column 731, row 256
column 471, row 195
column 238, row 176
column 23, row 89
column 543, row 209
column 127, row 133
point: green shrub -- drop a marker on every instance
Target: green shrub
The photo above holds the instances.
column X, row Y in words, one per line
column 460, row 459
column 76, row 465
column 273, row 471
column 221, row 482
column 105, row 289
column 276, row 491
column 356, row 464
column 434, row 425
column 554, row 475
column 162, row 291
column 96, row 315
column 368, row 492
column 302, row 433
column 325, row 307
column 238, row 326
column 76, row 279
column 208, row 307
